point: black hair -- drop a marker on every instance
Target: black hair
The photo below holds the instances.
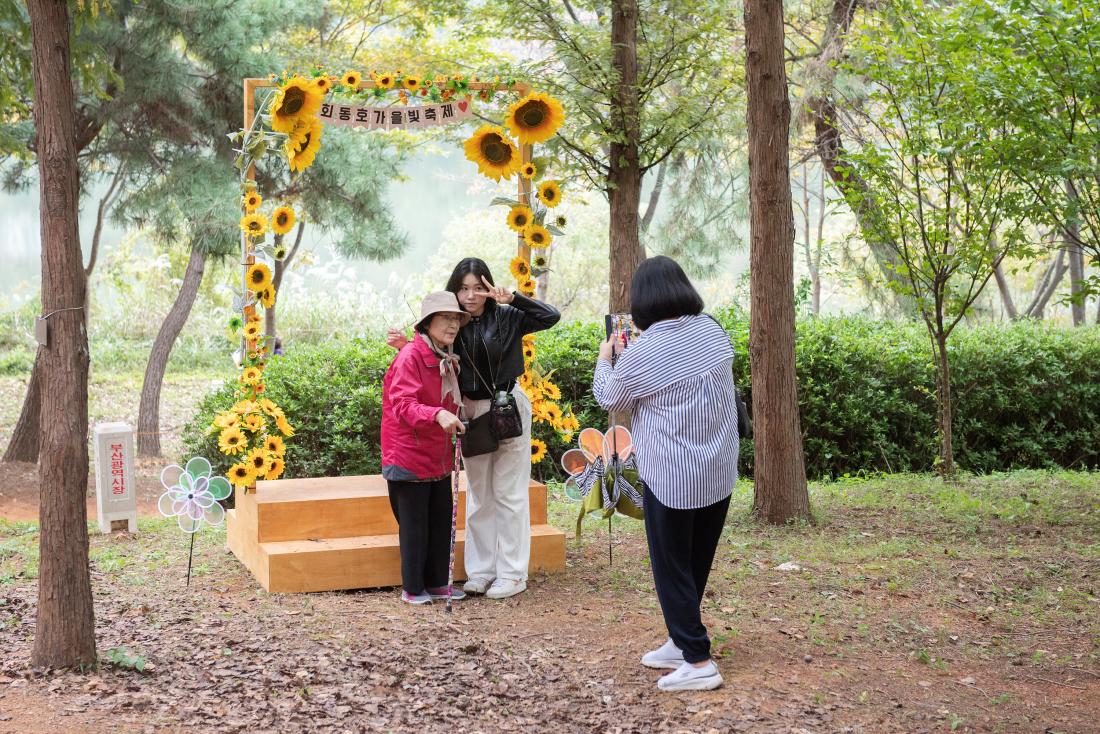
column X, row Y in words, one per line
column 661, row 290
column 470, row 266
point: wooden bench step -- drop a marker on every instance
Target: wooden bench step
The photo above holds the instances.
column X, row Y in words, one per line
column 369, row 561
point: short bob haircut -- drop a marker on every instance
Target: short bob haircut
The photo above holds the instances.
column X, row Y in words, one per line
column 470, row 266
column 661, row 290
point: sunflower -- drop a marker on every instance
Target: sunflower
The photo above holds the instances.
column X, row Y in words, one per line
column 303, row 144
column 254, row 422
column 258, row 460
column 493, row 152
column 322, row 83
column 538, row 450
column 550, row 193
column 551, row 391
column 251, row 201
column 259, row 389
column 250, row 376
column 284, row 426
column 412, row 83
column 528, row 354
column 267, row 297
column 282, row 220
column 351, row 79
column 538, row 410
column 540, row 262
column 279, row 253
column 520, row 269
column 274, row 445
column 275, row 469
column 244, row 407
column 536, row 236
column 258, row 277
column 560, row 221
column 553, row 412
column 269, row 407
column 519, row 217
column 295, row 100
column 252, row 330
column 232, row 440
column 570, row 423
column 241, row 475
column 527, row 287
column 529, row 171
column 254, row 225
column 227, row 419
column 384, row 81
column 534, row 118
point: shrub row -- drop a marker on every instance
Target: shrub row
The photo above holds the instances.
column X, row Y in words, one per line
column 1026, row 396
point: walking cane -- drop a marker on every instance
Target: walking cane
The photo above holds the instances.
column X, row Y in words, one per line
column 454, row 518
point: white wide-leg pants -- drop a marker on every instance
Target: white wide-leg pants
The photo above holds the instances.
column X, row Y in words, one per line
column 498, row 504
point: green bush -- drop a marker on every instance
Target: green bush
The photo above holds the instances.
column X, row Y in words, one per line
column 1026, row 396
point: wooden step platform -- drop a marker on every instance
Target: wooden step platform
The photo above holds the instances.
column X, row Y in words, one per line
column 324, row 534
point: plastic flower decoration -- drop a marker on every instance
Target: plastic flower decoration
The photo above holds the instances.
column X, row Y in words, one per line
column 412, row 83
column 519, row 217
column 494, row 152
column 529, row 171
column 536, row 236
column 282, row 220
column 302, row 145
column 520, row 269
column 534, row 118
column 258, row 277
column 296, row 100
column 254, row 225
column 550, row 193
column 384, row 81
column 603, row 474
column 351, row 79
column 252, row 201
column 538, row 450
column 191, row 495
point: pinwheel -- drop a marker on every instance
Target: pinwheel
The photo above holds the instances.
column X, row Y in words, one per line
column 192, row 497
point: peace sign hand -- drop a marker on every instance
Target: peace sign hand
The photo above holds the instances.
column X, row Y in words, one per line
column 500, row 295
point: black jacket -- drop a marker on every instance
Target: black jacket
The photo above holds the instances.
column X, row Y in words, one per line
column 492, row 344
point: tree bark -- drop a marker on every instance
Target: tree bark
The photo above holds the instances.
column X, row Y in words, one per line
column 25, row 437
column 1049, row 284
column 65, row 626
column 1006, row 294
column 625, row 175
column 281, row 267
column 943, row 388
column 780, row 493
column 148, row 433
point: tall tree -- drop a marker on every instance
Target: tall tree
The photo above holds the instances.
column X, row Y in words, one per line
column 780, row 493
column 65, row 625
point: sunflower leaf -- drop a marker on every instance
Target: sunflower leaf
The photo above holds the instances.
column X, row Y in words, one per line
column 503, row 201
column 554, row 230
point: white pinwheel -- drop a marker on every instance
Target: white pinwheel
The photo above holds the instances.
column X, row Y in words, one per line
column 191, row 494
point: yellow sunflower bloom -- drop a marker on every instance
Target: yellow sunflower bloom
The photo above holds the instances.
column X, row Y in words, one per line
column 254, row 225
column 538, row 450
column 295, row 100
column 351, row 79
column 570, row 423
column 550, row 193
column 250, row 376
column 282, row 220
column 539, row 261
column 252, row 330
column 267, row 297
column 537, row 237
column 258, row 460
column 527, row 287
column 284, row 426
column 257, row 278
column 244, row 407
column 241, row 475
column 411, row 83
column 552, row 391
column 534, row 118
column 251, row 201
column 385, row 81
column 519, row 217
column 520, row 269
column 232, row 441
column 274, row 445
column 269, row 407
column 254, row 422
column 323, row 83
column 302, row 146
column 275, row 470
column 493, row 152
column 529, row 171
column 227, row 419
column 553, row 412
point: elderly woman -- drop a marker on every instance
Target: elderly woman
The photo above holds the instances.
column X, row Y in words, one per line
column 420, row 397
column 677, row 380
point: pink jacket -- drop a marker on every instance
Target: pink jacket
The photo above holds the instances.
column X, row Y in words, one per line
column 411, row 439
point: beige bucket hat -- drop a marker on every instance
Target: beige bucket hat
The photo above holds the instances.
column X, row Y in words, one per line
column 441, row 302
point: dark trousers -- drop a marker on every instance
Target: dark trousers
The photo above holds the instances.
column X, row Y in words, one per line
column 681, row 550
column 423, row 512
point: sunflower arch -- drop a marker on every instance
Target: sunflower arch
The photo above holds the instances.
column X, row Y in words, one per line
column 293, row 113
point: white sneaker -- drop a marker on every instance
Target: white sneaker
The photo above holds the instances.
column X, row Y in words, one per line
column 504, row 588
column 476, row 585
column 689, row 678
column 665, row 656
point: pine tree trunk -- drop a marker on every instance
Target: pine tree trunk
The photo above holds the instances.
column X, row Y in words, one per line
column 625, row 175
column 24, row 439
column 779, row 472
column 65, row 626
column 148, row 437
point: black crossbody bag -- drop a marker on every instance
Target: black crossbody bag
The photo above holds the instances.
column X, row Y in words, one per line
column 501, row 422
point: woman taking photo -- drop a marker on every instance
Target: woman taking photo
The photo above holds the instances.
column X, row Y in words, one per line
column 677, row 381
column 498, row 510
column 420, row 398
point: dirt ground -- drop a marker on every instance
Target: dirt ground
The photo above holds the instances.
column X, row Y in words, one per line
column 916, row 608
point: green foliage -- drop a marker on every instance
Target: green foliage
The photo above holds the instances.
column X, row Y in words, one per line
column 1025, row 398
column 123, row 658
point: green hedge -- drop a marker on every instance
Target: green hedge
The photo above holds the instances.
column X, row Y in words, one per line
column 1026, row 396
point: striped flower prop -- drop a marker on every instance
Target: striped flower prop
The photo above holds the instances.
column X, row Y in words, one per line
column 191, row 495
column 603, row 474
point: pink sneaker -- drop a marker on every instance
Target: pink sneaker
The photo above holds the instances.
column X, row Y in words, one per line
column 421, row 598
column 441, row 593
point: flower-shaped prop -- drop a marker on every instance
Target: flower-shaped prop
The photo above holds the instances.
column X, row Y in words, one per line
column 192, row 497
column 603, row 476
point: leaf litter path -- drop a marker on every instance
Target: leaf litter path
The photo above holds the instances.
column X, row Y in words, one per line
column 225, row 656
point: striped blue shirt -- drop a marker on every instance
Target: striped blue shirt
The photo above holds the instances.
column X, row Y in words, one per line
column 677, row 380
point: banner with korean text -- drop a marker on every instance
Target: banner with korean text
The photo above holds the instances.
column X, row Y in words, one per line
column 396, row 117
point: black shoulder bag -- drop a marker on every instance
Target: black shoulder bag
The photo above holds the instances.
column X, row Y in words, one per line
column 502, row 421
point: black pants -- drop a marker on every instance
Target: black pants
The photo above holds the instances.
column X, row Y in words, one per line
column 681, row 550
column 423, row 512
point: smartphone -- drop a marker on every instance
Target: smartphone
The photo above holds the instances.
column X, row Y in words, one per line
column 621, row 325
